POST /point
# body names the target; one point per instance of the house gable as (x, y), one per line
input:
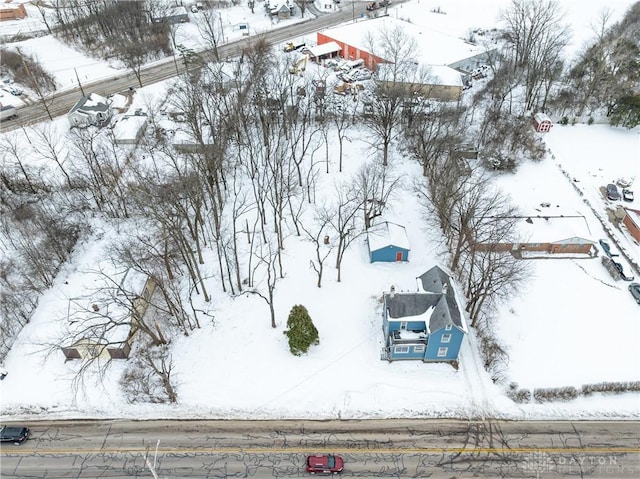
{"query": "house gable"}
(426, 325)
(388, 242)
(92, 109)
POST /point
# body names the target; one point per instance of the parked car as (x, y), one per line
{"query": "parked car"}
(14, 434)
(360, 74)
(14, 90)
(607, 249)
(620, 269)
(634, 289)
(612, 192)
(324, 464)
(627, 194)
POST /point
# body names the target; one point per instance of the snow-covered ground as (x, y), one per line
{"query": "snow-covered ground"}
(572, 325)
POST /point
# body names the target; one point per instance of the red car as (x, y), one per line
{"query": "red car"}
(325, 464)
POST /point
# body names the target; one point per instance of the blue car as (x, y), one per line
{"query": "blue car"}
(634, 289)
(612, 192)
(14, 434)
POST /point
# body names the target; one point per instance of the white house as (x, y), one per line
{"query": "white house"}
(92, 109)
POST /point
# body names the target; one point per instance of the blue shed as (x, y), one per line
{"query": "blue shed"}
(426, 325)
(388, 242)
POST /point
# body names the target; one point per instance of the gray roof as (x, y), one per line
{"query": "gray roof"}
(91, 102)
(435, 280)
(438, 292)
(401, 305)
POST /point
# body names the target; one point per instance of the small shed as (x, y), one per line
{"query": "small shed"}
(388, 242)
(542, 122)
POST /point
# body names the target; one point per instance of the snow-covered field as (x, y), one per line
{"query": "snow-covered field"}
(572, 325)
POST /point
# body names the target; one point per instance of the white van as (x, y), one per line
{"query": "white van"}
(350, 65)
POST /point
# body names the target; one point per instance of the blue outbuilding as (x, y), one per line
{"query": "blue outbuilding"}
(426, 325)
(388, 242)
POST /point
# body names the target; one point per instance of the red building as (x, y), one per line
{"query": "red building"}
(9, 11)
(632, 221)
(351, 52)
(542, 122)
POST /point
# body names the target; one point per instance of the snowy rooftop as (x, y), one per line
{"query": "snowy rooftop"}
(324, 49)
(92, 102)
(551, 227)
(387, 234)
(128, 127)
(435, 48)
(431, 74)
(105, 298)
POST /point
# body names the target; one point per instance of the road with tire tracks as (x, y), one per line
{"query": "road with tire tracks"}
(60, 102)
(416, 448)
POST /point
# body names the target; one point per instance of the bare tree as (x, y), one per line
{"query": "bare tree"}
(492, 277)
(396, 80)
(342, 215)
(46, 141)
(318, 237)
(267, 255)
(148, 376)
(373, 185)
(210, 27)
(538, 34)
(341, 110)
(608, 69)
(133, 56)
(39, 80)
(437, 131)
(43, 8)
(97, 167)
(12, 164)
(161, 260)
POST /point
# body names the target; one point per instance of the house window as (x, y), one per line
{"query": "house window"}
(442, 352)
(401, 349)
(447, 327)
(418, 349)
(403, 325)
(446, 338)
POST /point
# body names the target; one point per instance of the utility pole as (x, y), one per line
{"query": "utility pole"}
(79, 84)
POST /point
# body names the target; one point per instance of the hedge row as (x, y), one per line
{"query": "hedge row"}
(616, 388)
(569, 392)
(555, 394)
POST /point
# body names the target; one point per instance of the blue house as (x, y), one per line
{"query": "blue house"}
(388, 242)
(425, 325)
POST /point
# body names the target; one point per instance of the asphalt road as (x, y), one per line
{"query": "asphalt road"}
(371, 449)
(61, 102)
